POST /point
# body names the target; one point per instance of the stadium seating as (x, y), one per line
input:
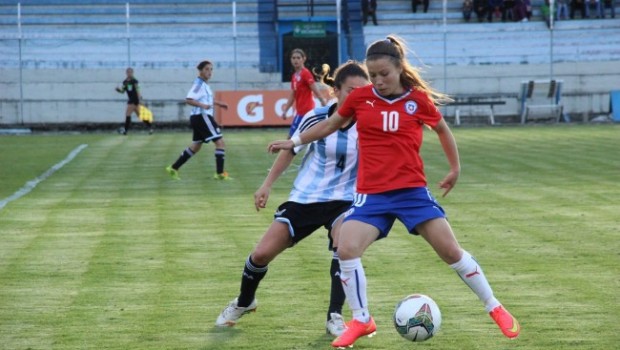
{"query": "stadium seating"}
(541, 99)
(508, 43)
(210, 26)
(167, 37)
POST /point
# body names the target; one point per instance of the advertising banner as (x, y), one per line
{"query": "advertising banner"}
(255, 108)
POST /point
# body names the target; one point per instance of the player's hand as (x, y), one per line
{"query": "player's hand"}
(283, 116)
(224, 105)
(448, 182)
(119, 90)
(278, 145)
(261, 196)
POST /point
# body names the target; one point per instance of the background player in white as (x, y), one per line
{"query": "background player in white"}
(391, 115)
(203, 124)
(322, 191)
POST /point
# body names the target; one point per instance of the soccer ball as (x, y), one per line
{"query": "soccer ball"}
(417, 318)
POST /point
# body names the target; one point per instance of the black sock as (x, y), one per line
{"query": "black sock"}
(127, 122)
(252, 275)
(184, 157)
(336, 296)
(219, 160)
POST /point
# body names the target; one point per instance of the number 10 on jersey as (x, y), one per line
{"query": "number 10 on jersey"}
(390, 121)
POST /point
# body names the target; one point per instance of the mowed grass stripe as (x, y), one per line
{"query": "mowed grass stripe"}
(135, 260)
(560, 169)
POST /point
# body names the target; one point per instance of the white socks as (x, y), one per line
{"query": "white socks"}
(353, 280)
(471, 273)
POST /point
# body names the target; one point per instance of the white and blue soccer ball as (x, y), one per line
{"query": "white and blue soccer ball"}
(417, 318)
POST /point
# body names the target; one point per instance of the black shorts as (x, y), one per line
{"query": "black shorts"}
(205, 128)
(133, 102)
(304, 219)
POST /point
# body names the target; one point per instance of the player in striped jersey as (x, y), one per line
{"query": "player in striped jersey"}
(391, 115)
(322, 191)
(205, 127)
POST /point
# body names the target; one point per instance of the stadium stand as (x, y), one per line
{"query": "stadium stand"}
(71, 49)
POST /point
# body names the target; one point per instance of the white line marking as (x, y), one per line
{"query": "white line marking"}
(30, 185)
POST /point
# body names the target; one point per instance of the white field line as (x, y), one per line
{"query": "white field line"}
(30, 185)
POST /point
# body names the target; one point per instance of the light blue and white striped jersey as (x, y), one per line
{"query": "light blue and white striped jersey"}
(329, 168)
(202, 93)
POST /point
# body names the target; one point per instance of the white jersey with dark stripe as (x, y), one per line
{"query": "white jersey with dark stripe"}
(329, 169)
(202, 93)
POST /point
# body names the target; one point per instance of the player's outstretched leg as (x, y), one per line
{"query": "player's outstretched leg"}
(471, 273)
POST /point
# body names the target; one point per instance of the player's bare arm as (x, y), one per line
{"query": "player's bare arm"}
(448, 143)
(220, 104)
(282, 162)
(317, 92)
(195, 103)
(289, 103)
(318, 131)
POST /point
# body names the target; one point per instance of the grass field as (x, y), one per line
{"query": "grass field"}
(109, 253)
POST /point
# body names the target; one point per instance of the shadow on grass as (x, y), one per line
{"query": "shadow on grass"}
(220, 337)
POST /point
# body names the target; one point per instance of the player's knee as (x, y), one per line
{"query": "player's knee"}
(451, 255)
(347, 252)
(261, 258)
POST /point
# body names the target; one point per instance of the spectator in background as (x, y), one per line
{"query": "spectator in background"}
(593, 5)
(545, 11)
(415, 3)
(562, 9)
(520, 12)
(480, 8)
(577, 5)
(369, 8)
(528, 8)
(608, 4)
(468, 7)
(494, 8)
(508, 10)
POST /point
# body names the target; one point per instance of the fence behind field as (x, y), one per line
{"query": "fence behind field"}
(57, 57)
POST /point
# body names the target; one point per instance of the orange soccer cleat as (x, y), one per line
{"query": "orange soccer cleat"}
(506, 322)
(355, 329)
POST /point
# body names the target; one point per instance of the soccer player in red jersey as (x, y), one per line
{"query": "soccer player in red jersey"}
(302, 87)
(391, 115)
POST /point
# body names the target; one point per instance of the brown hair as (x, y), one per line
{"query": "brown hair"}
(299, 51)
(394, 49)
(348, 69)
(202, 64)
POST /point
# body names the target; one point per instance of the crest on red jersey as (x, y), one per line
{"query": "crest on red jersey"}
(411, 107)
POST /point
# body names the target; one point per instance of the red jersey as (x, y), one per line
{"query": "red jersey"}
(300, 83)
(390, 137)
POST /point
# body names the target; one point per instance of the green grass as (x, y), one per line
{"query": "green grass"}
(109, 253)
